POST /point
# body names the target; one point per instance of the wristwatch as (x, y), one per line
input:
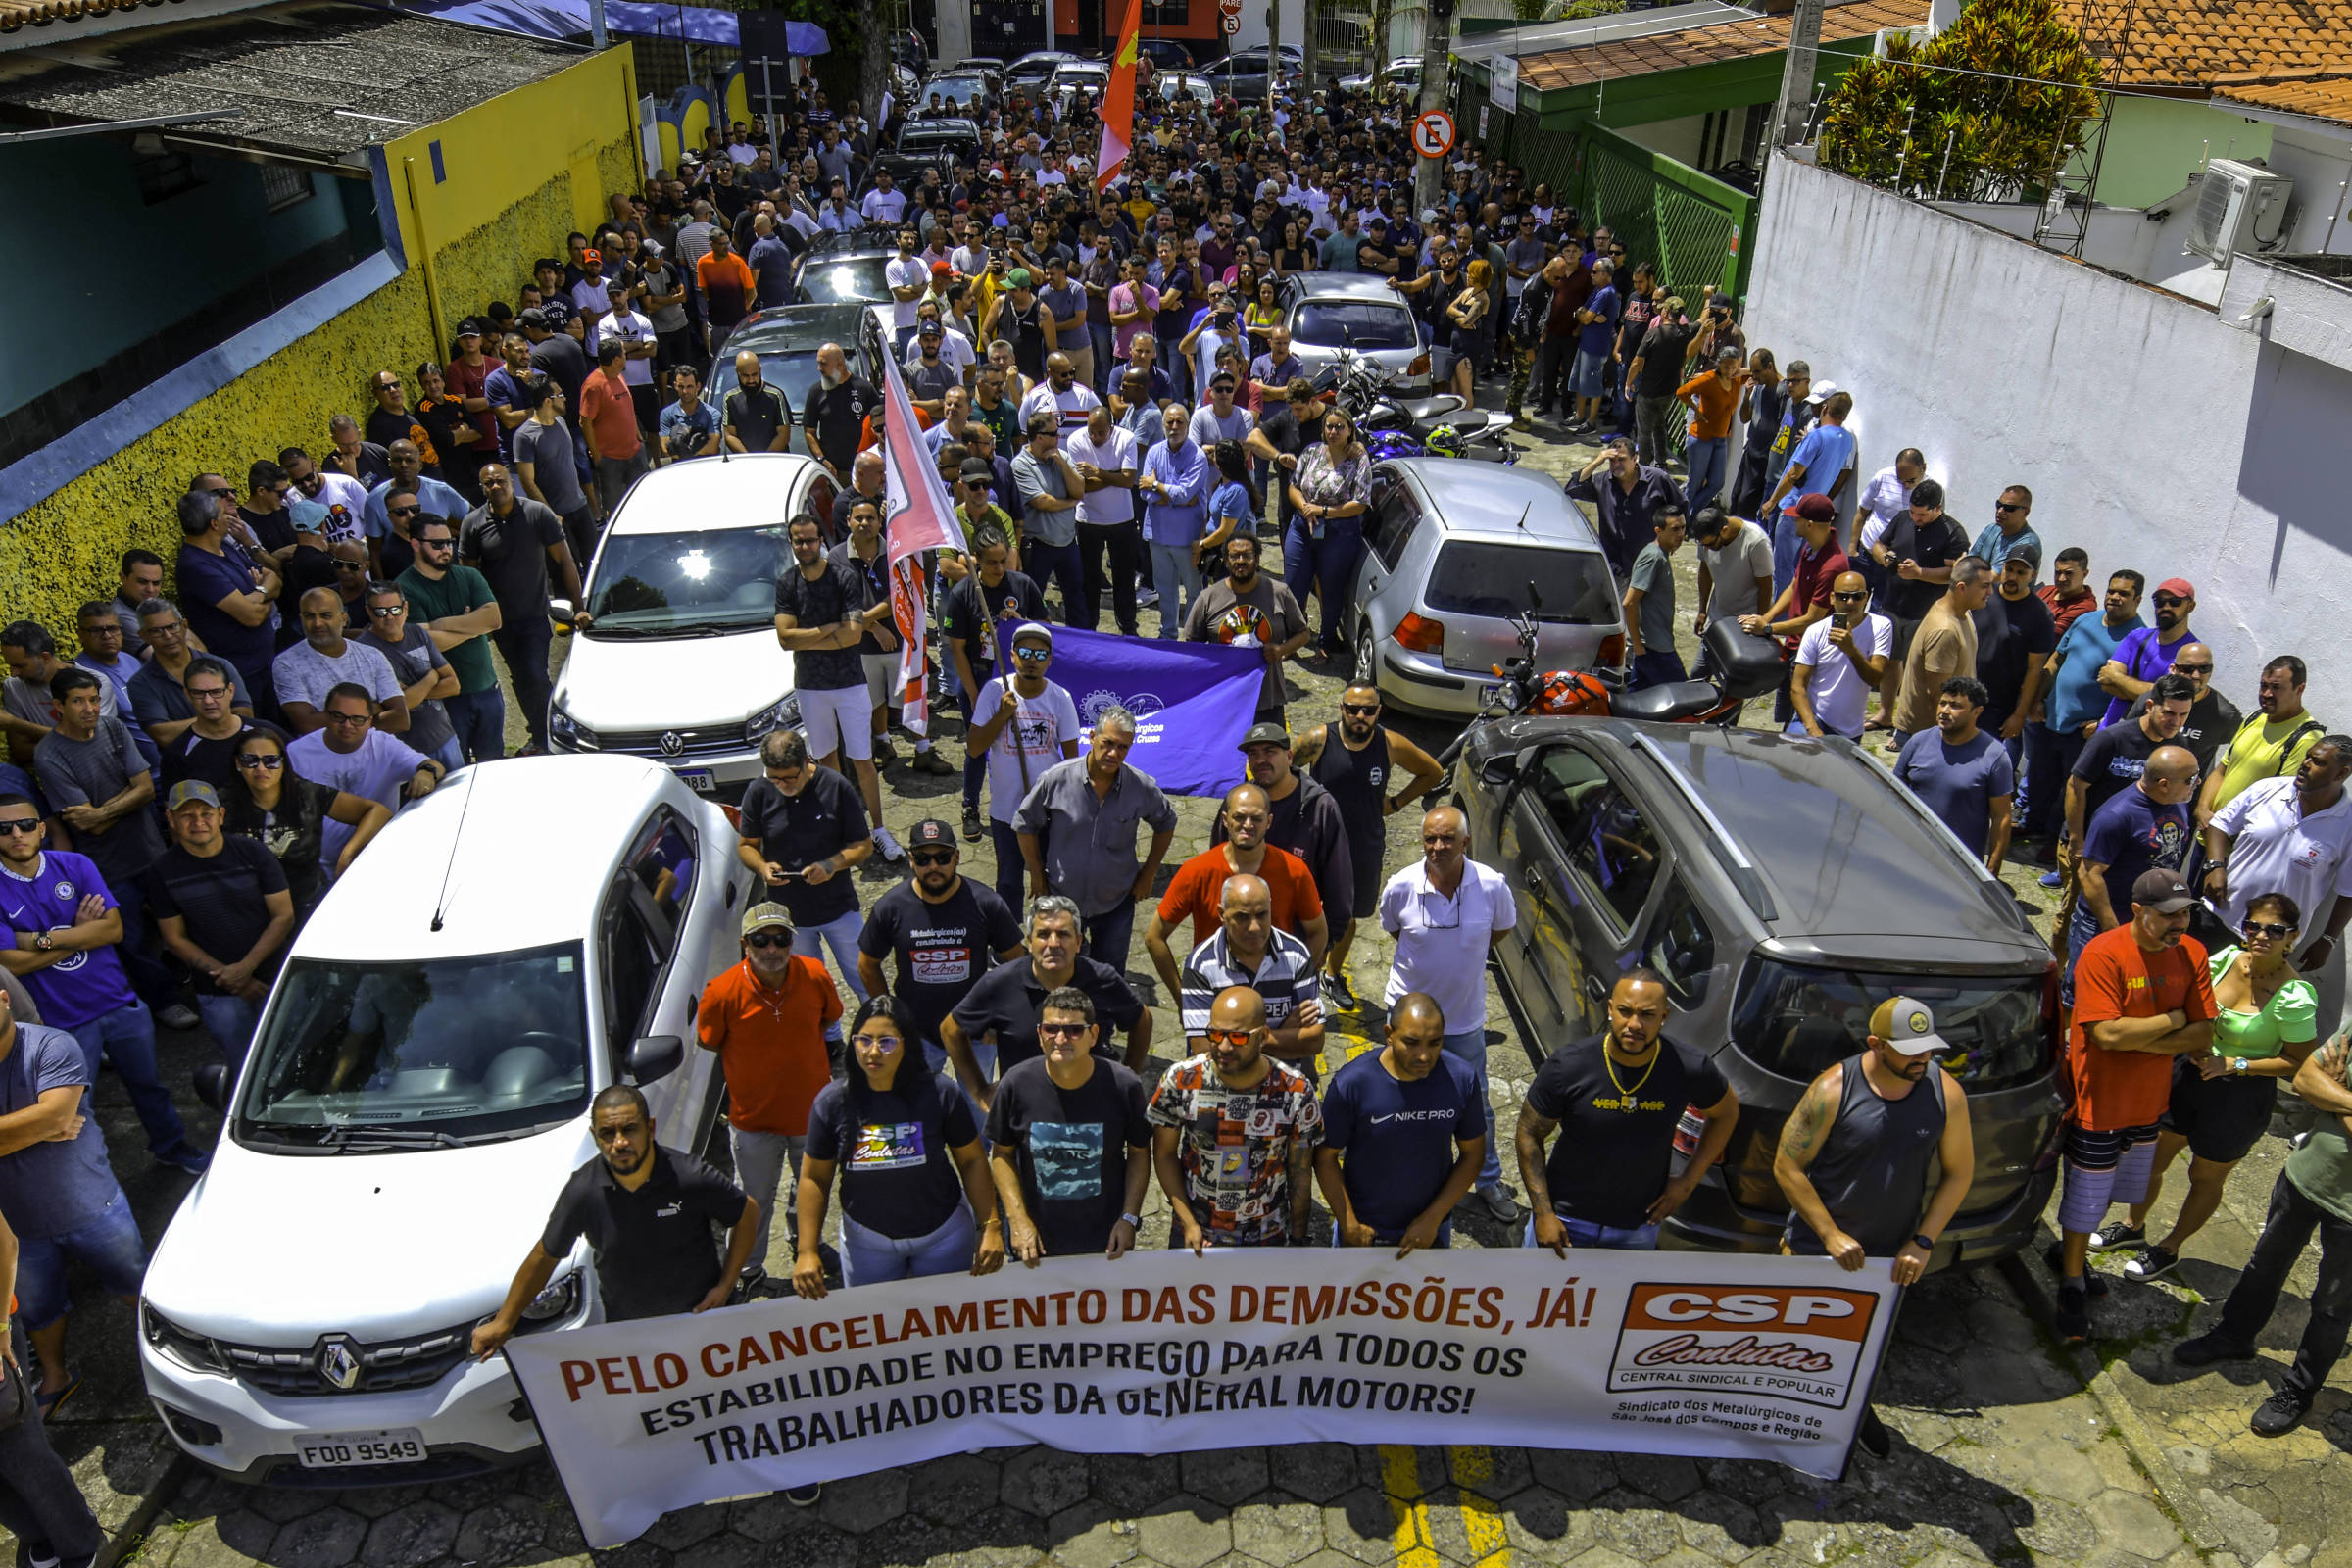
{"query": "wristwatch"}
(2237, 1064)
(1923, 1241)
(43, 942)
(1134, 1221)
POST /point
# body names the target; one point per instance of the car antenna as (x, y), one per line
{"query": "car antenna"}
(441, 900)
(1530, 506)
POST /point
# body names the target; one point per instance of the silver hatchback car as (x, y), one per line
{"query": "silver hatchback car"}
(1331, 312)
(1453, 550)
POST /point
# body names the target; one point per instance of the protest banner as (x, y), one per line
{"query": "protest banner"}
(1694, 1354)
(1191, 701)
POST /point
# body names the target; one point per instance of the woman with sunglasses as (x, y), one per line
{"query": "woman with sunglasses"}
(1328, 493)
(2266, 1022)
(288, 814)
(917, 1197)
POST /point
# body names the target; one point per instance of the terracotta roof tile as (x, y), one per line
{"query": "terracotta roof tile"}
(14, 14)
(2321, 98)
(1699, 46)
(2192, 43)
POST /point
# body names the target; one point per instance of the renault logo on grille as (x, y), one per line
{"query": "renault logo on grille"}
(672, 743)
(339, 1361)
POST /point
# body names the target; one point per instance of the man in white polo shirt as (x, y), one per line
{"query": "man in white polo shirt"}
(1108, 460)
(1446, 913)
(2290, 836)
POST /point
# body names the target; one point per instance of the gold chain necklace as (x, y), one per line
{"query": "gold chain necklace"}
(1625, 1093)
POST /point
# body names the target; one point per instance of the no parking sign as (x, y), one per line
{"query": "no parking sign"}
(1433, 134)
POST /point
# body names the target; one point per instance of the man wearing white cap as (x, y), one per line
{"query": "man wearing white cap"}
(1854, 1155)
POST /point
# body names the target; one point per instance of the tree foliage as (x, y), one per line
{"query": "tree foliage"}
(1992, 130)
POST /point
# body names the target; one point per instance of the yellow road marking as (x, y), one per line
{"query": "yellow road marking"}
(1412, 1539)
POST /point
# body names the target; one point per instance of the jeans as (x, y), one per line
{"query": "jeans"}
(761, 1159)
(1100, 336)
(230, 1021)
(1471, 1045)
(1787, 546)
(2050, 755)
(1330, 564)
(1175, 575)
(522, 642)
(1125, 542)
(479, 719)
(1661, 666)
(107, 1245)
(869, 1257)
(1704, 460)
(126, 1037)
(139, 951)
(2285, 1235)
(1059, 563)
(1548, 381)
(39, 1503)
(1012, 872)
(1106, 937)
(840, 935)
(1650, 416)
(1609, 1237)
(450, 753)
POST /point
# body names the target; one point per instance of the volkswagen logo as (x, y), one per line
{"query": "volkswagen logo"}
(672, 743)
(339, 1361)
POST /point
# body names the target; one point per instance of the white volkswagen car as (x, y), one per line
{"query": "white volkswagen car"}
(415, 1097)
(680, 661)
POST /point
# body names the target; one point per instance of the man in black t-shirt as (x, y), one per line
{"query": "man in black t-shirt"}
(2114, 759)
(1616, 1099)
(824, 611)
(2212, 719)
(2015, 637)
(647, 1212)
(222, 909)
(968, 615)
(803, 829)
(833, 417)
(514, 541)
(1072, 1142)
(754, 418)
(1286, 429)
(943, 930)
(1003, 1007)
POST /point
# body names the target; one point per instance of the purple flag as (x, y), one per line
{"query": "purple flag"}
(1191, 701)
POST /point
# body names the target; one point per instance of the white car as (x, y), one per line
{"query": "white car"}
(680, 662)
(417, 1095)
(1075, 76)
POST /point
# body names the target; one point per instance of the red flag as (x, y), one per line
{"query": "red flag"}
(919, 517)
(1118, 98)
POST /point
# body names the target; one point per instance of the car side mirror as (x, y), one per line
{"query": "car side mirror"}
(652, 1058)
(1499, 771)
(558, 611)
(210, 1082)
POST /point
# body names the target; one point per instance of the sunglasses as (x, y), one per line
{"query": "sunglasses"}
(1033, 653)
(2192, 670)
(1859, 595)
(27, 825)
(1063, 1031)
(403, 511)
(387, 386)
(351, 565)
(1359, 709)
(2008, 506)
(2252, 928)
(435, 544)
(223, 494)
(387, 611)
(768, 939)
(935, 857)
(1231, 1037)
(2170, 599)
(266, 761)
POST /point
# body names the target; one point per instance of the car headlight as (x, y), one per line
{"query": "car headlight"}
(184, 1346)
(566, 731)
(558, 1300)
(783, 715)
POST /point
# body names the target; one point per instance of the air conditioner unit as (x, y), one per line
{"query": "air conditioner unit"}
(1918, 36)
(2240, 206)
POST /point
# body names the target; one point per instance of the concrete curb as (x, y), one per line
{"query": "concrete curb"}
(2099, 1379)
(133, 1529)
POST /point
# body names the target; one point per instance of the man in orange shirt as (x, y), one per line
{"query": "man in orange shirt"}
(1712, 401)
(767, 1018)
(729, 290)
(2142, 998)
(1198, 888)
(608, 420)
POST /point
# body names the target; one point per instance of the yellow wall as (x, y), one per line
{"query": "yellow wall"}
(521, 170)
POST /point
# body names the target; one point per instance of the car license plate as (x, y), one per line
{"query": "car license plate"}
(337, 1450)
(698, 779)
(1490, 692)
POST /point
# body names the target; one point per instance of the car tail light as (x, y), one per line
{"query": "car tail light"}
(1421, 634)
(1419, 366)
(1612, 651)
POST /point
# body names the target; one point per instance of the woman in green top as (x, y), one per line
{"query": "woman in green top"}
(2265, 1024)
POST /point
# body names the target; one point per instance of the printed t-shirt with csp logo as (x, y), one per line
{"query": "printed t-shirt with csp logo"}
(897, 1177)
(1616, 1142)
(939, 949)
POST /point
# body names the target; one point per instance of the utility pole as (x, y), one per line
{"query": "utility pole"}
(1307, 62)
(1436, 39)
(1273, 55)
(1796, 74)
(596, 25)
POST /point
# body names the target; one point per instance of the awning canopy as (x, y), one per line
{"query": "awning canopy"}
(568, 18)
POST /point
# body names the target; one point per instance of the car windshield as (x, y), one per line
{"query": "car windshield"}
(1796, 1020)
(368, 1057)
(1565, 587)
(956, 89)
(791, 371)
(1353, 325)
(921, 138)
(829, 280)
(687, 584)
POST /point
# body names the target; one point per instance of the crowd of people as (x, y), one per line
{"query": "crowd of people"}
(239, 723)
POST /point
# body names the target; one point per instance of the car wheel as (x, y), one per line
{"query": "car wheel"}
(1367, 667)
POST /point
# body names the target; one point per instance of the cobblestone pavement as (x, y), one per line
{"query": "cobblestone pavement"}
(2002, 1453)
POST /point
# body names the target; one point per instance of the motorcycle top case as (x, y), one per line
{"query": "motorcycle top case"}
(1748, 666)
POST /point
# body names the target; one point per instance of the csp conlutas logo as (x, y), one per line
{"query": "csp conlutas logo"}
(1787, 1344)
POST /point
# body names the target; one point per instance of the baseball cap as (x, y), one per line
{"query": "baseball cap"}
(1821, 392)
(930, 830)
(939, 268)
(767, 917)
(191, 791)
(469, 327)
(1817, 508)
(616, 286)
(1018, 278)
(1907, 1026)
(2178, 585)
(592, 257)
(533, 317)
(977, 469)
(2162, 891)
(1265, 735)
(1032, 628)
(929, 329)
(2026, 551)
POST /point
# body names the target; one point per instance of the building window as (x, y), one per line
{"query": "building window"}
(283, 187)
(1166, 13)
(163, 176)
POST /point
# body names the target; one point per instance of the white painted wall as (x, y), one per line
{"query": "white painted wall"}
(2152, 433)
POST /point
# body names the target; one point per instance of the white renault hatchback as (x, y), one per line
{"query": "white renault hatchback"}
(680, 662)
(417, 1093)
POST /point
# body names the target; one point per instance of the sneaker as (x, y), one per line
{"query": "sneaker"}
(1342, 994)
(2054, 1259)
(2073, 1315)
(2153, 1265)
(973, 832)
(1873, 1435)
(178, 1015)
(2052, 878)
(2117, 1237)
(928, 761)
(804, 1497)
(2280, 1414)
(2209, 1348)
(884, 752)
(1500, 1203)
(193, 1161)
(1146, 598)
(887, 843)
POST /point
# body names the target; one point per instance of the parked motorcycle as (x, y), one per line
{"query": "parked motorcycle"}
(1393, 427)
